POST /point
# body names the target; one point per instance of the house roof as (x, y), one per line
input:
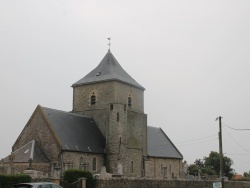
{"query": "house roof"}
(109, 69)
(31, 150)
(159, 145)
(75, 132)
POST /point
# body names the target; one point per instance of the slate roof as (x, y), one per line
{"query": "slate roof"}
(159, 145)
(29, 151)
(75, 132)
(109, 69)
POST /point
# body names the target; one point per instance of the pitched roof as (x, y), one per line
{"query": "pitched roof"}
(109, 69)
(159, 145)
(29, 151)
(75, 132)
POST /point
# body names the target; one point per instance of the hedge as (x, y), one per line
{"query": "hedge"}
(71, 176)
(6, 181)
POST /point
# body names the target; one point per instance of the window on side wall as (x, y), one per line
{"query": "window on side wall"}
(81, 163)
(129, 101)
(94, 164)
(93, 99)
(132, 167)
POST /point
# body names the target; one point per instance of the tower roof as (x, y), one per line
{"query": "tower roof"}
(109, 69)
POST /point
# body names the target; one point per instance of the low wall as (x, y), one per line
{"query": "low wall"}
(150, 183)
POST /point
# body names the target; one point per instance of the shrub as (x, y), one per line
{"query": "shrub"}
(71, 176)
(7, 181)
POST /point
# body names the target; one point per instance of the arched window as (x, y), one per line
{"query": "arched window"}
(81, 163)
(93, 99)
(132, 167)
(94, 164)
(129, 101)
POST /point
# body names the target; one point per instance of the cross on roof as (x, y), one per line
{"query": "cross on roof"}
(109, 42)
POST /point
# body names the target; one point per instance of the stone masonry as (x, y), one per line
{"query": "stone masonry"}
(124, 127)
(37, 129)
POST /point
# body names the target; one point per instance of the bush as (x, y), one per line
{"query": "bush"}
(6, 181)
(71, 176)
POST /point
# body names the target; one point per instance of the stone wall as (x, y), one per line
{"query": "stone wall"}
(74, 157)
(104, 93)
(136, 143)
(137, 131)
(161, 167)
(20, 167)
(37, 129)
(100, 117)
(116, 151)
(107, 93)
(149, 183)
(122, 92)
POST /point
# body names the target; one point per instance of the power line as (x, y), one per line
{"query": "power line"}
(236, 141)
(240, 160)
(236, 129)
(177, 143)
(236, 154)
(193, 143)
(197, 139)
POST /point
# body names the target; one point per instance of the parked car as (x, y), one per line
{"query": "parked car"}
(36, 185)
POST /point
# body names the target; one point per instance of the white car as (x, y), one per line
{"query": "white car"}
(36, 185)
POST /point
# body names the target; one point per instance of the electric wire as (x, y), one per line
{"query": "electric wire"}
(197, 139)
(236, 129)
(193, 143)
(240, 160)
(183, 142)
(236, 141)
(236, 154)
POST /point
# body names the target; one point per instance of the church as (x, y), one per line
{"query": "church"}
(106, 127)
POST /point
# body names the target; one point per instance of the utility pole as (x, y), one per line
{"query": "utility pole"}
(221, 153)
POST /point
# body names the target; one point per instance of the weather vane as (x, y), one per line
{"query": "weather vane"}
(109, 42)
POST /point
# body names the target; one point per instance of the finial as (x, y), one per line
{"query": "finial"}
(109, 43)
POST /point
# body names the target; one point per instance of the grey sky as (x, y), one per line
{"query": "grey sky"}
(191, 56)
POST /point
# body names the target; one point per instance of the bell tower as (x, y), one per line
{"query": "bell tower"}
(116, 102)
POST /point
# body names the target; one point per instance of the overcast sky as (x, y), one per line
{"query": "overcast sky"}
(192, 56)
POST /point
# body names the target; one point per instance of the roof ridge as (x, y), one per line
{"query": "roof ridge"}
(70, 112)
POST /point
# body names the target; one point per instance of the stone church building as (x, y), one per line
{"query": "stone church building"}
(106, 127)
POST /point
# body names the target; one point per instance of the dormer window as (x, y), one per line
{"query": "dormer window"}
(93, 99)
(98, 73)
(129, 101)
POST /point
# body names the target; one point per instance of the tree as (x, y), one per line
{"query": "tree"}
(213, 161)
(199, 167)
(211, 165)
(246, 175)
(199, 163)
(193, 169)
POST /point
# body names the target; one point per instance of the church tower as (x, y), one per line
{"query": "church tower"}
(116, 102)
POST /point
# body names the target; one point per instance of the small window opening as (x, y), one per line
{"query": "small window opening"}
(132, 167)
(98, 73)
(125, 107)
(111, 107)
(94, 164)
(129, 102)
(81, 165)
(93, 99)
(120, 144)
(118, 117)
